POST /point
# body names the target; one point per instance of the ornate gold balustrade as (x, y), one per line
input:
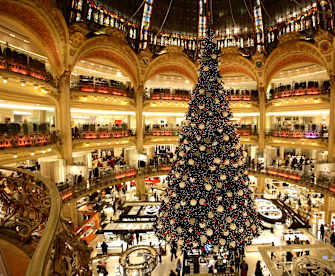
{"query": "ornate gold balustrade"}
(31, 205)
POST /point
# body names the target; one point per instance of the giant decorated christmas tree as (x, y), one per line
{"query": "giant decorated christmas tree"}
(208, 200)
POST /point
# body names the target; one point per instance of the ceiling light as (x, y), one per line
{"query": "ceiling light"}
(5, 80)
(35, 86)
(12, 35)
(23, 83)
(26, 107)
(32, 154)
(119, 74)
(299, 113)
(102, 112)
(15, 156)
(21, 113)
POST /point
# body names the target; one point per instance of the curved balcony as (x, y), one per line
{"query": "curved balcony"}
(300, 95)
(116, 177)
(13, 61)
(84, 140)
(303, 139)
(101, 86)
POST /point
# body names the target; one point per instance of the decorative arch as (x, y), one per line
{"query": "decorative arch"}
(231, 61)
(175, 62)
(292, 52)
(112, 48)
(45, 26)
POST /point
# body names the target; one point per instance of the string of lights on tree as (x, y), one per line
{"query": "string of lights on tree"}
(208, 201)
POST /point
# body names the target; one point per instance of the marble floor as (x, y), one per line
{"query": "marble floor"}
(252, 254)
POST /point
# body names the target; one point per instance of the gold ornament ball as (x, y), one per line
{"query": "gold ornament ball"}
(201, 126)
(202, 225)
(172, 221)
(229, 194)
(202, 91)
(201, 106)
(226, 162)
(241, 230)
(217, 160)
(234, 206)
(229, 219)
(223, 177)
(213, 56)
(232, 244)
(202, 148)
(203, 239)
(220, 209)
(177, 206)
(235, 178)
(222, 241)
(240, 192)
(183, 203)
(226, 138)
(191, 162)
(213, 168)
(181, 154)
(182, 185)
(193, 202)
(208, 187)
(209, 232)
(206, 68)
(210, 214)
(240, 162)
(192, 221)
(233, 226)
(219, 185)
(179, 230)
(226, 233)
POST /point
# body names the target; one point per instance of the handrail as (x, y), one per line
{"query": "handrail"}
(99, 183)
(41, 256)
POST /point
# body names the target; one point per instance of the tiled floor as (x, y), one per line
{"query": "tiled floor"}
(252, 254)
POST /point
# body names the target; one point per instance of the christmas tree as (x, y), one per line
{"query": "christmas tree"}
(208, 200)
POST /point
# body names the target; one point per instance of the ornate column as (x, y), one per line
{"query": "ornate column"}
(64, 116)
(139, 118)
(262, 118)
(260, 184)
(331, 127)
(140, 187)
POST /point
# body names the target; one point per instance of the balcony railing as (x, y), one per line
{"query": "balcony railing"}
(298, 134)
(31, 213)
(29, 140)
(247, 132)
(285, 92)
(102, 86)
(103, 134)
(162, 132)
(13, 61)
(166, 95)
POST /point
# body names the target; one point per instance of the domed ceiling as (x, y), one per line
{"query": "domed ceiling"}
(184, 14)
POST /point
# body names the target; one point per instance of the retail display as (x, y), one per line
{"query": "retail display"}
(208, 200)
(267, 209)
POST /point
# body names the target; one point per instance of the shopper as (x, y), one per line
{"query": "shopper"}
(258, 271)
(322, 232)
(178, 268)
(172, 273)
(104, 248)
(160, 253)
(332, 239)
(244, 268)
(173, 251)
